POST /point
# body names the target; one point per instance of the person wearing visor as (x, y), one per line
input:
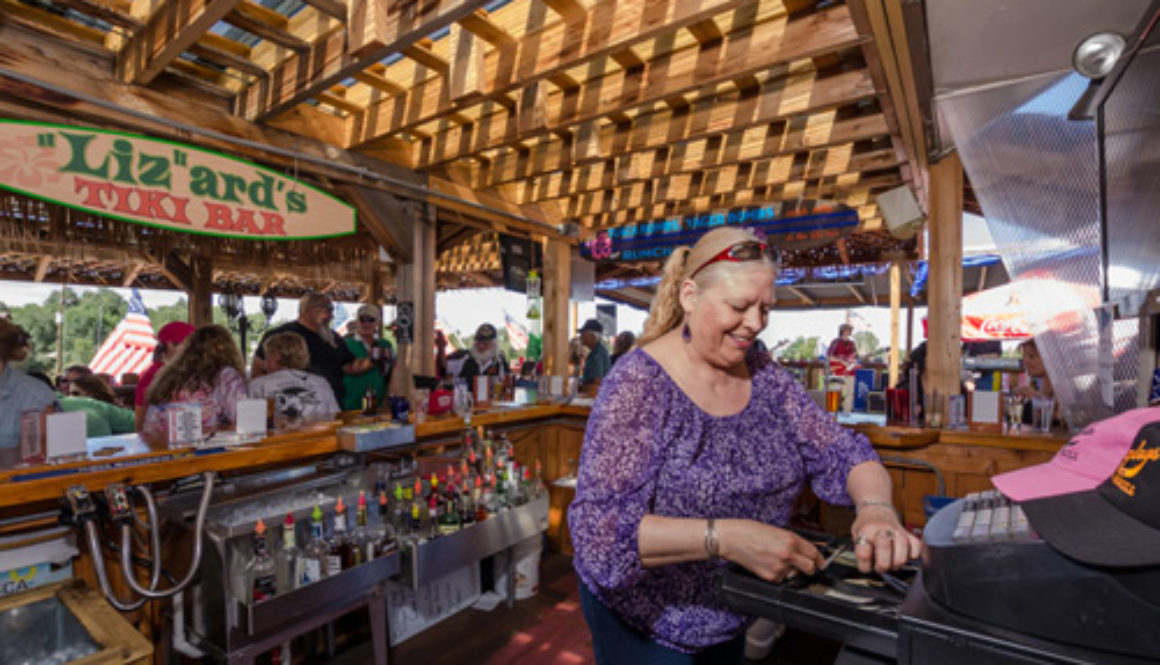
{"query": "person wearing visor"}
(18, 391)
(483, 358)
(597, 362)
(329, 355)
(696, 449)
(368, 343)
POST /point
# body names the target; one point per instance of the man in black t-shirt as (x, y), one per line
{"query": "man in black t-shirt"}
(329, 356)
(484, 357)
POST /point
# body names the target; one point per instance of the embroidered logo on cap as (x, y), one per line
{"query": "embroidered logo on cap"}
(1134, 462)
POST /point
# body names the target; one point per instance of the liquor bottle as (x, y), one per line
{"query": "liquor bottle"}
(334, 560)
(466, 505)
(287, 557)
(399, 516)
(478, 499)
(448, 518)
(415, 524)
(433, 511)
(314, 554)
(368, 402)
(356, 545)
(261, 575)
(384, 533)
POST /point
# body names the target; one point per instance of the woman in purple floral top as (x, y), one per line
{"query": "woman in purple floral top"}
(696, 450)
(206, 370)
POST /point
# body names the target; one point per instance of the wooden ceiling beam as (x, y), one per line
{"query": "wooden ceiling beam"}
(765, 47)
(44, 21)
(113, 13)
(265, 23)
(615, 207)
(376, 29)
(332, 8)
(479, 24)
(778, 168)
(228, 60)
(742, 117)
(42, 266)
(422, 53)
(608, 27)
(170, 30)
(800, 295)
(132, 274)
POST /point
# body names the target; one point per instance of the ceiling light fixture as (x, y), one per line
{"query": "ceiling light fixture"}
(1097, 54)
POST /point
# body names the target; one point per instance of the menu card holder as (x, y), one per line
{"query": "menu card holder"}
(32, 445)
(184, 424)
(986, 411)
(65, 434)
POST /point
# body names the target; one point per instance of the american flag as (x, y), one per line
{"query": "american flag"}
(516, 333)
(129, 348)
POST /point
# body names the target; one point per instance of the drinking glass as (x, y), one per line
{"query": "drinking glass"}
(421, 401)
(1042, 410)
(462, 399)
(1014, 413)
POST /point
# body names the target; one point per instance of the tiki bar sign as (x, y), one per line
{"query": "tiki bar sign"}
(164, 184)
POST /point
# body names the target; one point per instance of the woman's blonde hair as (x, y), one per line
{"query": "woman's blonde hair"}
(199, 361)
(289, 348)
(666, 312)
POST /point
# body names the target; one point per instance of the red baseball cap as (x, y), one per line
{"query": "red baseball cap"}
(175, 332)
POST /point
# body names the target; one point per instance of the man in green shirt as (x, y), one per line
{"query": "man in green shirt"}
(367, 342)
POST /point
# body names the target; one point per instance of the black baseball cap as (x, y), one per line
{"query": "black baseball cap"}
(1116, 524)
(485, 333)
(591, 325)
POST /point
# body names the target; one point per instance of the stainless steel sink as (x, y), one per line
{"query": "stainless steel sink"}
(43, 633)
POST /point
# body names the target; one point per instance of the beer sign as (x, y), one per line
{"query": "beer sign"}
(164, 184)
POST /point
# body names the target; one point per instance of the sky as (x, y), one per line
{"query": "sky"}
(463, 310)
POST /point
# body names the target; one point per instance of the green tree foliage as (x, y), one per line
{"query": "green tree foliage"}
(867, 342)
(90, 318)
(802, 348)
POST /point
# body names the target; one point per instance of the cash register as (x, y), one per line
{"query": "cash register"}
(983, 561)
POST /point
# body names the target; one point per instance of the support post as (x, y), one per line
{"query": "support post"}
(944, 347)
(895, 315)
(416, 284)
(201, 291)
(557, 292)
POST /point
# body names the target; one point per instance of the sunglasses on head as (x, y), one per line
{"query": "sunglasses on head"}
(748, 250)
(367, 319)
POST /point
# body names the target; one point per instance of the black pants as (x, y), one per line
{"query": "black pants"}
(617, 643)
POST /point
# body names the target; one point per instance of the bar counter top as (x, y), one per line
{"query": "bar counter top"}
(136, 462)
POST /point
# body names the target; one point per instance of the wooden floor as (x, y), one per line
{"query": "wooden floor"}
(547, 629)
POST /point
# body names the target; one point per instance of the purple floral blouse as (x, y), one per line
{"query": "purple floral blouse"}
(650, 450)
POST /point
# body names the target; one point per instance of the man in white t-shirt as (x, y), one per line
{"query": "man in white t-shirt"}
(299, 395)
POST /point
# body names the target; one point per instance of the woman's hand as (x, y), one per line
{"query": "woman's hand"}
(771, 553)
(880, 541)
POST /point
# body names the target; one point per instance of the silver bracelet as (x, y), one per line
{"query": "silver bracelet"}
(876, 502)
(712, 546)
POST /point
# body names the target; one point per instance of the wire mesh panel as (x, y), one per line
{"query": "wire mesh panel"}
(1037, 178)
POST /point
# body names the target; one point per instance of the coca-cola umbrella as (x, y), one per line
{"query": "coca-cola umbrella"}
(994, 314)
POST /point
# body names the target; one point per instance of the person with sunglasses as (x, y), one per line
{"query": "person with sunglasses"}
(368, 343)
(696, 449)
(18, 391)
(329, 355)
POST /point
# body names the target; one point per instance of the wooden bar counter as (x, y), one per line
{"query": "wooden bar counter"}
(550, 433)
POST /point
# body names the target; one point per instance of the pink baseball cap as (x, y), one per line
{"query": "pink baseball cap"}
(1087, 460)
